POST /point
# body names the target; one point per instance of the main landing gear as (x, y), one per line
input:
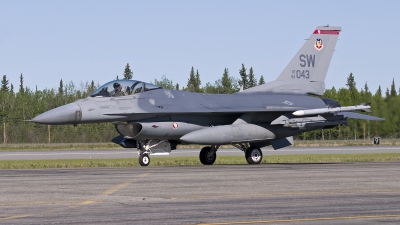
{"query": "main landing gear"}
(208, 154)
(253, 154)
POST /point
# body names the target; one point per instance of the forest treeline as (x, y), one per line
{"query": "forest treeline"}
(22, 103)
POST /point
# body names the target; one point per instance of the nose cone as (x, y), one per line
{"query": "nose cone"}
(66, 114)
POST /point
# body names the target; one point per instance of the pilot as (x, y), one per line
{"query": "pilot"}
(117, 90)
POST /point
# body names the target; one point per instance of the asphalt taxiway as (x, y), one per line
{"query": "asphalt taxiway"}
(337, 193)
(132, 153)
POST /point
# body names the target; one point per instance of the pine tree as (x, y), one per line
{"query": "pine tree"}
(226, 83)
(243, 75)
(367, 95)
(393, 92)
(351, 84)
(252, 79)
(61, 88)
(4, 83)
(261, 81)
(191, 85)
(197, 82)
(91, 87)
(128, 74)
(366, 87)
(379, 91)
(21, 84)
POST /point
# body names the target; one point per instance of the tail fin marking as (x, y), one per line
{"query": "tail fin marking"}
(306, 72)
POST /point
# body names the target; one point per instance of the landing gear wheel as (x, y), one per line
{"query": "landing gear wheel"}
(207, 156)
(144, 160)
(254, 155)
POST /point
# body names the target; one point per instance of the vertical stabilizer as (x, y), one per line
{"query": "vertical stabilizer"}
(306, 72)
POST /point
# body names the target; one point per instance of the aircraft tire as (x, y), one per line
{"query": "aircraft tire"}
(254, 155)
(207, 157)
(144, 159)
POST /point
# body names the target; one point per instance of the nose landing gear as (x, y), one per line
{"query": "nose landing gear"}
(144, 159)
(153, 147)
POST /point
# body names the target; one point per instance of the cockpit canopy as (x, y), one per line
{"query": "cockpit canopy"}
(118, 88)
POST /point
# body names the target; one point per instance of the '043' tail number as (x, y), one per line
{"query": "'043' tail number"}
(298, 74)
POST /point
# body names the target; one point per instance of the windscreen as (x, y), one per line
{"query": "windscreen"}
(118, 88)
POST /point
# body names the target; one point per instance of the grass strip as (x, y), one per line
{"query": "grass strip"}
(192, 161)
(58, 146)
(98, 146)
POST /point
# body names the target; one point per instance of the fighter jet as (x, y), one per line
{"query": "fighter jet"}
(155, 120)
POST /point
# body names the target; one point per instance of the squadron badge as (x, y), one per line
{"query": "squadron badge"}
(318, 44)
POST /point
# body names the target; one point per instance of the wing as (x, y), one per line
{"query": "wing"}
(359, 116)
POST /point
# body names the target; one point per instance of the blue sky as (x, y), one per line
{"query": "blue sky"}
(81, 41)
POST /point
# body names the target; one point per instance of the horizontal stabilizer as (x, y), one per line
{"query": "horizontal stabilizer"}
(281, 142)
(359, 116)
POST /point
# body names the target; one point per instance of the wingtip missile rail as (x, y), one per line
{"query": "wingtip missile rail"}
(362, 107)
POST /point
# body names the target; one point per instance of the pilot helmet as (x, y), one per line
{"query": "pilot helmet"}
(116, 85)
